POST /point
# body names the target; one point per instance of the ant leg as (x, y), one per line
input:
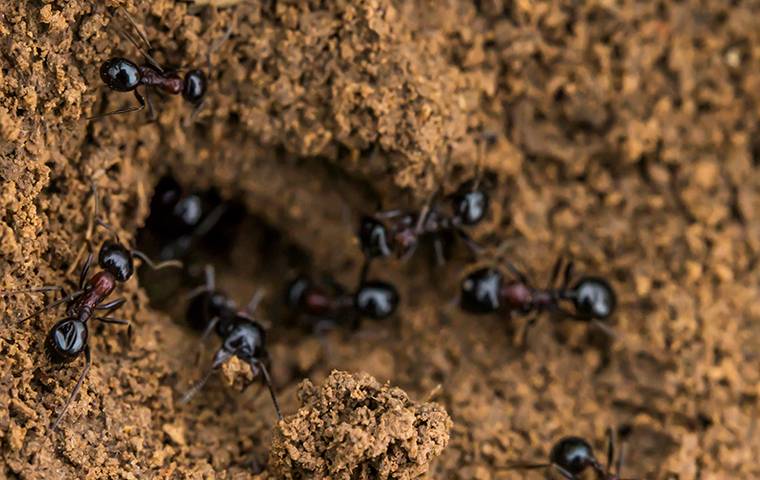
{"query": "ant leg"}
(87, 363)
(85, 269)
(564, 473)
(133, 108)
(46, 288)
(258, 296)
(65, 299)
(517, 273)
(438, 246)
(619, 463)
(568, 275)
(206, 333)
(220, 357)
(119, 321)
(474, 247)
(258, 365)
(156, 266)
(152, 116)
(111, 306)
(389, 214)
(210, 285)
(527, 326)
(555, 272)
(610, 448)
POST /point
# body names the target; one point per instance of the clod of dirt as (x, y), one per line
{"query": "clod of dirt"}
(355, 428)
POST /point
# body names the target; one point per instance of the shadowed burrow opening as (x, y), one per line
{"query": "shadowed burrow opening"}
(201, 228)
(249, 255)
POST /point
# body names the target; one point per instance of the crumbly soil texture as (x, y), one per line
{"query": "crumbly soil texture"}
(622, 134)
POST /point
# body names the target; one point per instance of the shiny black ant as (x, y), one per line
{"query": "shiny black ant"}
(68, 338)
(372, 299)
(571, 456)
(178, 218)
(123, 75)
(485, 291)
(398, 231)
(210, 310)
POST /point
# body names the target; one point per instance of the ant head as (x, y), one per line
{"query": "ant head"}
(481, 291)
(470, 205)
(376, 299)
(120, 74)
(244, 337)
(116, 260)
(207, 305)
(594, 298)
(294, 293)
(373, 237)
(573, 454)
(66, 340)
(195, 86)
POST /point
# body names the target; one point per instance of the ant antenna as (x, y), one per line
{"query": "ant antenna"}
(253, 304)
(209, 286)
(156, 266)
(134, 41)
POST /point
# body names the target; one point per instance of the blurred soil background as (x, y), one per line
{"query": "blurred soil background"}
(622, 134)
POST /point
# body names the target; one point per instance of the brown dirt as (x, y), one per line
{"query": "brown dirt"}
(626, 136)
(353, 427)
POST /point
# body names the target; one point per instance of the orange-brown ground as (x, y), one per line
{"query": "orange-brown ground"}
(626, 137)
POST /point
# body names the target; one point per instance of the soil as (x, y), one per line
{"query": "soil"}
(621, 134)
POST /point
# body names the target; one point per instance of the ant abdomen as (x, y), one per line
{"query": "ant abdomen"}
(66, 340)
(194, 86)
(594, 298)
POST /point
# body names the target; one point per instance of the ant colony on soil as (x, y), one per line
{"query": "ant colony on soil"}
(220, 272)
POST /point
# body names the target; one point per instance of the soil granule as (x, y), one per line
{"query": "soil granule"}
(621, 134)
(352, 427)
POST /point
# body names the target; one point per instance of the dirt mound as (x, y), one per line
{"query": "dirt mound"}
(352, 427)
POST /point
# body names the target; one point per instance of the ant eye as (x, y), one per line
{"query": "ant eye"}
(573, 454)
(116, 260)
(480, 291)
(594, 298)
(295, 291)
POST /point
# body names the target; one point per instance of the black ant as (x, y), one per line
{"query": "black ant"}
(485, 291)
(68, 338)
(123, 75)
(178, 218)
(398, 231)
(211, 310)
(372, 299)
(571, 456)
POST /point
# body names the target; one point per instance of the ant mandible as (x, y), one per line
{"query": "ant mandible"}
(123, 75)
(485, 291)
(398, 231)
(571, 456)
(68, 338)
(372, 299)
(242, 336)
